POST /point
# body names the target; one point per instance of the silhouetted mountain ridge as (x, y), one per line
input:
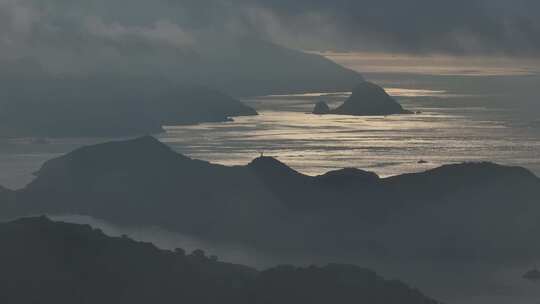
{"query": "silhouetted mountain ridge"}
(144, 151)
(268, 205)
(271, 167)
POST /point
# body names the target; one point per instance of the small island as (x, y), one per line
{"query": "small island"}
(321, 108)
(367, 99)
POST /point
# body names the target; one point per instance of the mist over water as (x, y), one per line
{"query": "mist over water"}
(164, 239)
(473, 282)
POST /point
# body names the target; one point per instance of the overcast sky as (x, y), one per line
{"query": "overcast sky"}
(424, 26)
(57, 30)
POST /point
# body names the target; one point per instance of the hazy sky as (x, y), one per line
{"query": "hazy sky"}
(58, 28)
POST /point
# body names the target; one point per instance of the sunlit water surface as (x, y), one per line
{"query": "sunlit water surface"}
(388, 145)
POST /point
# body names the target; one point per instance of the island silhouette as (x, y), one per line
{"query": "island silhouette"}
(143, 182)
(94, 108)
(367, 99)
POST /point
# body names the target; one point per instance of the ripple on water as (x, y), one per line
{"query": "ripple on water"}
(387, 145)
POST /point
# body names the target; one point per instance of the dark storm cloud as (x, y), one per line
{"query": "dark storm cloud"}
(86, 32)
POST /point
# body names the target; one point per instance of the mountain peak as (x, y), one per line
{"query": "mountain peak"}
(141, 154)
(145, 139)
(266, 160)
(267, 164)
(348, 175)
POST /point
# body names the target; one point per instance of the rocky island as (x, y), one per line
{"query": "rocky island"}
(321, 108)
(367, 99)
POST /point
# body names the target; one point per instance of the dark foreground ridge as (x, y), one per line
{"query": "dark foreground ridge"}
(42, 260)
(267, 205)
(367, 99)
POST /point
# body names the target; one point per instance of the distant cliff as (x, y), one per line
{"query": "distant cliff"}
(69, 263)
(367, 99)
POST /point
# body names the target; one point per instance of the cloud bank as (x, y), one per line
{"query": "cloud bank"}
(414, 26)
(84, 30)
